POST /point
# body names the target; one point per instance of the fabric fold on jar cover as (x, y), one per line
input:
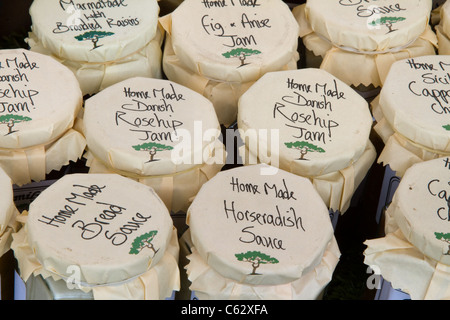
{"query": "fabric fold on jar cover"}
(359, 57)
(414, 253)
(135, 275)
(101, 47)
(336, 188)
(410, 113)
(198, 56)
(40, 125)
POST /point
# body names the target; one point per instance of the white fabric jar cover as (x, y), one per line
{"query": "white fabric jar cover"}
(43, 99)
(102, 43)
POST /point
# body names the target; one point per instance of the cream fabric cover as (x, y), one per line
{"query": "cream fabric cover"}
(410, 112)
(43, 99)
(219, 51)
(116, 232)
(414, 255)
(356, 67)
(311, 124)
(8, 213)
(262, 236)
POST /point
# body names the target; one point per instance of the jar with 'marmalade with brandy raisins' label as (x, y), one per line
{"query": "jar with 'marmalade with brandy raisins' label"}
(357, 41)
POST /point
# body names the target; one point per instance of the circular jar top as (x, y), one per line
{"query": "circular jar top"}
(150, 126)
(109, 227)
(39, 99)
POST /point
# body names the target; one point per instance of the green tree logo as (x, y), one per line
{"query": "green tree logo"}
(304, 147)
(241, 53)
(152, 148)
(446, 127)
(94, 36)
(256, 258)
(387, 21)
(144, 241)
(444, 237)
(11, 119)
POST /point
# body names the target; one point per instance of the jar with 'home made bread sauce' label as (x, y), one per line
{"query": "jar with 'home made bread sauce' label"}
(102, 42)
(8, 225)
(357, 41)
(98, 236)
(219, 48)
(258, 232)
(311, 124)
(40, 101)
(157, 132)
(414, 254)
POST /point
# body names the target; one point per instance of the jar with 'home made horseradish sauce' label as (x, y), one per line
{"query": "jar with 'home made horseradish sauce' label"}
(40, 101)
(414, 254)
(219, 48)
(258, 232)
(102, 42)
(157, 132)
(98, 236)
(357, 41)
(311, 124)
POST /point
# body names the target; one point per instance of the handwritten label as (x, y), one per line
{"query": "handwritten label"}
(16, 92)
(101, 222)
(308, 111)
(150, 115)
(213, 26)
(281, 215)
